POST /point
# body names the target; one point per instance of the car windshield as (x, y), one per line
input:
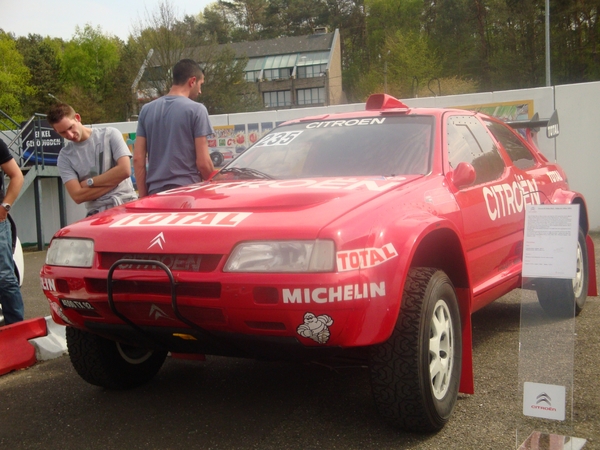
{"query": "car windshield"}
(367, 146)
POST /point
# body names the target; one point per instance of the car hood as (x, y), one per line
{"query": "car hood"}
(211, 217)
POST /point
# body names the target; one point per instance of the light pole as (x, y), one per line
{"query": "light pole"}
(548, 43)
(385, 66)
(55, 98)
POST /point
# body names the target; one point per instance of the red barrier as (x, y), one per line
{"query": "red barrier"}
(15, 350)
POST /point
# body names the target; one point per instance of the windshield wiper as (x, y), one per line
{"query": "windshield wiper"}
(246, 172)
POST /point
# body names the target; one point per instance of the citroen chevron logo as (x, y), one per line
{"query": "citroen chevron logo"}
(157, 313)
(543, 398)
(158, 240)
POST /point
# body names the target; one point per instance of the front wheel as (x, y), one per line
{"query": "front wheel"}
(415, 374)
(564, 298)
(110, 364)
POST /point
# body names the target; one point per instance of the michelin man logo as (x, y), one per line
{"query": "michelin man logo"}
(315, 327)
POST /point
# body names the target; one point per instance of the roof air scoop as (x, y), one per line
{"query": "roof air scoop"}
(377, 102)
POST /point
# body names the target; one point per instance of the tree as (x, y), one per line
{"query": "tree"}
(162, 33)
(225, 90)
(450, 28)
(14, 79)
(350, 18)
(409, 57)
(574, 36)
(120, 104)
(406, 62)
(214, 24)
(248, 18)
(385, 17)
(41, 56)
(292, 18)
(89, 62)
(517, 56)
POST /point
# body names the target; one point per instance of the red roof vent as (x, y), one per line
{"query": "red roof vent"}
(378, 102)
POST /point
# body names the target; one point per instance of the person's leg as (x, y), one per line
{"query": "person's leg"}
(10, 292)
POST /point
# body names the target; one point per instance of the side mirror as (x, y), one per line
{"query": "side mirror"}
(464, 175)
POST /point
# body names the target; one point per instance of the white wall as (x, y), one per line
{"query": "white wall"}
(576, 149)
(542, 98)
(578, 145)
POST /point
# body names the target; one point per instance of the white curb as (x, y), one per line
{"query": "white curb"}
(53, 345)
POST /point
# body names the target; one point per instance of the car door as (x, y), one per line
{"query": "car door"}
(491, 207)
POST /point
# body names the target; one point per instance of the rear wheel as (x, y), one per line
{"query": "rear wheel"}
(110, 364)
(415, 374)
(564, 298)
(217, 158)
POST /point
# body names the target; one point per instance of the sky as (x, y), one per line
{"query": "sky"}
(59, 18)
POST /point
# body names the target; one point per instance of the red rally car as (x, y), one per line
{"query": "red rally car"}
(374, 234)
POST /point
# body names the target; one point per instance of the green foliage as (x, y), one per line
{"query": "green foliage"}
(408, 58)
(447, 86)
(225, 89)
(385, 17)
(451, 29)
(41, 56)
(293, 18)
(119, 104)
(248, 17)
(348, 16)
(405, 47)
(213, 25)
(161, 33)
(368, 83)
(14, 78)
(89, 62)
(88, 57)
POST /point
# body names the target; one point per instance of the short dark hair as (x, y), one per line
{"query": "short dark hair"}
(184, 70)
(58, 112)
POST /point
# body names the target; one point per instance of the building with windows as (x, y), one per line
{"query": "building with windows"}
(290, 72)
(294, 72)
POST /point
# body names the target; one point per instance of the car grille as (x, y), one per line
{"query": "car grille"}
(146, 288)
(175, 262)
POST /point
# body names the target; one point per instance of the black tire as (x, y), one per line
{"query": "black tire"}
(109, 364)
(217, 158)
(564, 298)
(409, 391)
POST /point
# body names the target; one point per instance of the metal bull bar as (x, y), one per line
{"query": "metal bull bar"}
(205, 335)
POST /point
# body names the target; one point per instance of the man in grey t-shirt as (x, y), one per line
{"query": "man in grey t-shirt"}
(172, 133)
(95, 165)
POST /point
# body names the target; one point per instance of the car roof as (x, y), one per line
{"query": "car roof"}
(382, 105)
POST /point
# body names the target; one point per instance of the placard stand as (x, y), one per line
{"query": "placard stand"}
(547, 333)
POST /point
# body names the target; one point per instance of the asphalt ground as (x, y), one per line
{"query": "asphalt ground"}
(227, 403)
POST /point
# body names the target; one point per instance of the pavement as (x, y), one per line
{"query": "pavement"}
(271, 405)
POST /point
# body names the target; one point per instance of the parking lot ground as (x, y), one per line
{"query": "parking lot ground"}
(227, 403)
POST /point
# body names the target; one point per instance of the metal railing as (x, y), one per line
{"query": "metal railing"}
(25, 142)
(17, 134)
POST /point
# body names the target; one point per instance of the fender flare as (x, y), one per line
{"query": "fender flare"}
(417, 229)
(567, 197)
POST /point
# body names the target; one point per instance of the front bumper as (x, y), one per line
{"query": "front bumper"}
(258, 315)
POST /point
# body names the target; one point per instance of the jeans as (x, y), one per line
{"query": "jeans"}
(10, 292)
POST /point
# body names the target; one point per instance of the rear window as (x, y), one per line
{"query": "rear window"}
(371, 146)
(516, 150)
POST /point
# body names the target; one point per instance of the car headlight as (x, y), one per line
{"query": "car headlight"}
(282, 256)
(70, 252)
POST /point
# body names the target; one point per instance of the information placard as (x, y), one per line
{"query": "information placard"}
(550, 242)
